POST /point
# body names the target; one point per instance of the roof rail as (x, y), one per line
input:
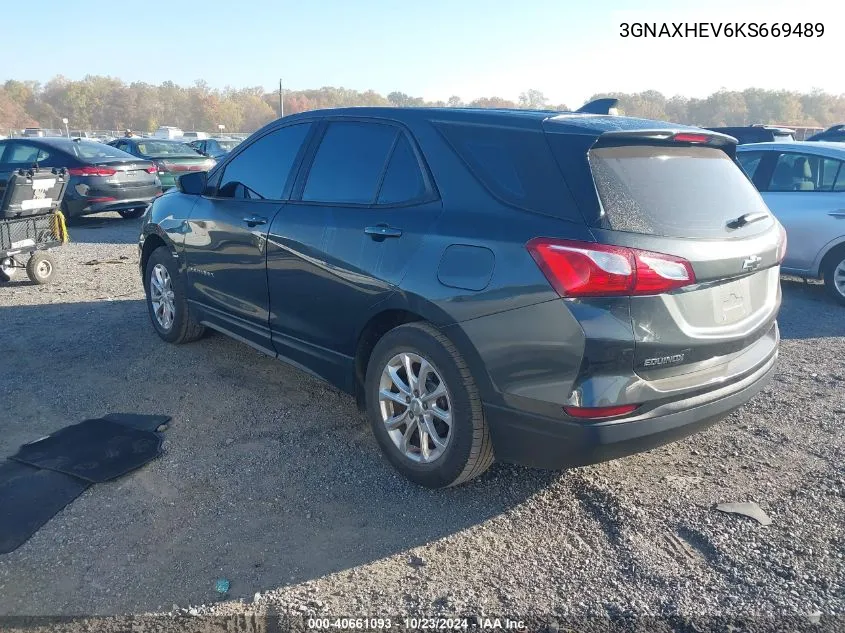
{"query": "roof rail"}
(599, 106)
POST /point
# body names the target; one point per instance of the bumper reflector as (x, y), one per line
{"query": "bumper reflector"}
(594, 413)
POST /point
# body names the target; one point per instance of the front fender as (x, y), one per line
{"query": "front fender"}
(166, 223)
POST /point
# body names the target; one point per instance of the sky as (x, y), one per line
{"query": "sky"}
(429, 48)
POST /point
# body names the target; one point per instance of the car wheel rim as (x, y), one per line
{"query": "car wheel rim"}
(162, 298)
(839, 278)
(416, 407)
(44, 268)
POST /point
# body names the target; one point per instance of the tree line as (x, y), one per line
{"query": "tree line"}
(107, 103)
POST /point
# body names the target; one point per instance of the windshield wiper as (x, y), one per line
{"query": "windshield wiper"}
(747, 218)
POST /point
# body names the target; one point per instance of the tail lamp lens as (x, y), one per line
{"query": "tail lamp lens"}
(586, 269)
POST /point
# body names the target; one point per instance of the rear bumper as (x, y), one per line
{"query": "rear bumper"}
(542, 442)
(81, 206)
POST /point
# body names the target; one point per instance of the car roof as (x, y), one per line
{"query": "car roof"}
(822, 148)
(59, 142)
(557, 121)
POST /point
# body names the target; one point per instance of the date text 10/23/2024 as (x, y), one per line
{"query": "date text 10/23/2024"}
(415, 624)
(720, 29)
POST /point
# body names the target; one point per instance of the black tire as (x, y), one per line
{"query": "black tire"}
(132, 214)
(183, 328)
(831, 262)
(69, 219)
(7, 272)
(469, 451)
(41, 268)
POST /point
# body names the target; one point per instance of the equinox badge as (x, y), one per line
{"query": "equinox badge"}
(752, 262)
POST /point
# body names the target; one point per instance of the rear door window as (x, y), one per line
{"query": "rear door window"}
(674, 191)
(23, 154)
(349, 163)
(515, 165)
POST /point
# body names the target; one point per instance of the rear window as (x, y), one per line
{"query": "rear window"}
(515, 165)
(92, 150)
(163, 148)
(674, 191)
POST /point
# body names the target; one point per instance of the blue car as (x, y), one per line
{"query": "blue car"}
(803, 183)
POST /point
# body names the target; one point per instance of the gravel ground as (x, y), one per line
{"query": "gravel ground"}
(271, 480)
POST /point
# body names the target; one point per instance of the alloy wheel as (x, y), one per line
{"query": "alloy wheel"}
(416, 407)
(839, 278)
(162, 298)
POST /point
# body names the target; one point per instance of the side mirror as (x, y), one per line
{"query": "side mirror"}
(192, 183)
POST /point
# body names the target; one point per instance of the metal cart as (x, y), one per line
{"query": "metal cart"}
(31, 223)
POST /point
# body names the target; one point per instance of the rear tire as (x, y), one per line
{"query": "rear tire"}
(834, 274)
(41, 268)
(131, 214)
(463, 449)
(167, 301)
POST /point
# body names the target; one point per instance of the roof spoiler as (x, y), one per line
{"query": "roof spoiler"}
(684, 136)
(600, 106)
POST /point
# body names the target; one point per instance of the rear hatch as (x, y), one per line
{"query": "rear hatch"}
(692, 223)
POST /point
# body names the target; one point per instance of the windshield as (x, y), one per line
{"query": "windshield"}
(674, 191)
(164, 148)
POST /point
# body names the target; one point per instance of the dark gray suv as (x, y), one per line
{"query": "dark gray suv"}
(543, 288)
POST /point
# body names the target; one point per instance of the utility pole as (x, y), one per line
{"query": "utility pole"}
(281, 103)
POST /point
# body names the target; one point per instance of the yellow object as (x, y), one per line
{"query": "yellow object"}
(60, 228)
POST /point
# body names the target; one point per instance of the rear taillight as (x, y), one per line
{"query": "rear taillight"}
(151, 170)
(90, 170)
(595, 413)
(586, 269)
(781, 244)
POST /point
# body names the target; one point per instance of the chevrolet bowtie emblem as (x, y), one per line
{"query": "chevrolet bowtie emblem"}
(751, 263)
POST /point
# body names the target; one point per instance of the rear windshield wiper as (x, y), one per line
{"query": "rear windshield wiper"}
(747, 218)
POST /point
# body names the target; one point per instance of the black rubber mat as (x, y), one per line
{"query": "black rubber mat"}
(138, 421)
(29, 497)
(94, 450)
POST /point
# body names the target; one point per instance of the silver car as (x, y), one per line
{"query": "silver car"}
(803, 183)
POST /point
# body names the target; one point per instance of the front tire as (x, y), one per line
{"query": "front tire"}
(424, 408)
(41, 268)
(167, 301)
(834, 275)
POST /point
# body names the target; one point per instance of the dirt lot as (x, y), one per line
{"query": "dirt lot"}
(271, 479)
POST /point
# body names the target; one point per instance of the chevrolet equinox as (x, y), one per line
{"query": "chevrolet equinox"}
(549, 289)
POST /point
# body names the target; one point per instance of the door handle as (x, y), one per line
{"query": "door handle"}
(382, 231)
(255, 220)
(839, 213)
